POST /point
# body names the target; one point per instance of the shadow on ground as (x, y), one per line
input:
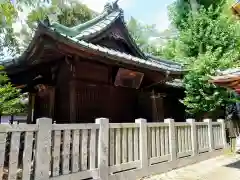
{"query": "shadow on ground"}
(234, 165)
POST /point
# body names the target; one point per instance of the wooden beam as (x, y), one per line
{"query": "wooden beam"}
(21, 86)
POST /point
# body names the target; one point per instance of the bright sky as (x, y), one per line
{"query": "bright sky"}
(146, 11)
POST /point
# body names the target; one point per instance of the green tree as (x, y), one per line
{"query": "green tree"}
(141, 34)
(204, 31)
(10, 14)
(207, 41)
(12, 43)
(201, 96)
(8, 42)
(181, 10)
(10, 102)
(70, 14)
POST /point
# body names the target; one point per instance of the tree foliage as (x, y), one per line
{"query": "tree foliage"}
(14, 42)
(141, 34)
(10, 101)
(201, 96)
(181, 10)
(11, 14)
(8, 42)
(207, 41)
(70, 14)
(204, 31)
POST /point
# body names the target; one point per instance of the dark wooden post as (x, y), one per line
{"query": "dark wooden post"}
(73, 97)
(72, 88)
(52, 102)
(157, 107)
(31, 104)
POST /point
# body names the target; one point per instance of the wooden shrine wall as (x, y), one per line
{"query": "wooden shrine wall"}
(95, 96)
(94, 101)
(62, 92)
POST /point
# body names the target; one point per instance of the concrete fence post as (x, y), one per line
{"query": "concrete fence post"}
(143, 143)
(193, 136)
(43, 144)
(172, 139)
(103, 148)
(210, 134)
(223, 132)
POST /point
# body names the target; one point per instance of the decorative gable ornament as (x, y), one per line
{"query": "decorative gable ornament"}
(116, 35)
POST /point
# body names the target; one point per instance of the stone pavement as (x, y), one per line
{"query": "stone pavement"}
(220, 168)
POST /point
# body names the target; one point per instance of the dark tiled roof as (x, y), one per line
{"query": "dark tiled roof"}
(126, 57)
(81, 33)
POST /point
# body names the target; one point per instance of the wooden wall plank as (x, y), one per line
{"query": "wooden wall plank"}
(166, 140)
(136, 143)
(124, 145)
(93, 148)
(111, 146)
(27, 155)
(185, 139)
(153, 133)
(158, 151)
(56, 153)
(162, 140)
(75, 151)
(3, 137)
(13, 156)
(84, 147)
(118, 146)
(182, 138)
(130, 144)
(66, 151)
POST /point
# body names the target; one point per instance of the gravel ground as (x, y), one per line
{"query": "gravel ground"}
(220, 168)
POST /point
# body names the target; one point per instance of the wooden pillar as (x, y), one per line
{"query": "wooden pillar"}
(29, 111)
(143, 143)
(160, 107)
(154, 107)
(172, 139)
(31, 108)
(157, 107)
(51, 102)
(72, 90)
(103, 146)
(193, 136)
(73, 96)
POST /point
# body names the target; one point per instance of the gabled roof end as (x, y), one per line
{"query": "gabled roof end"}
(113, 7)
